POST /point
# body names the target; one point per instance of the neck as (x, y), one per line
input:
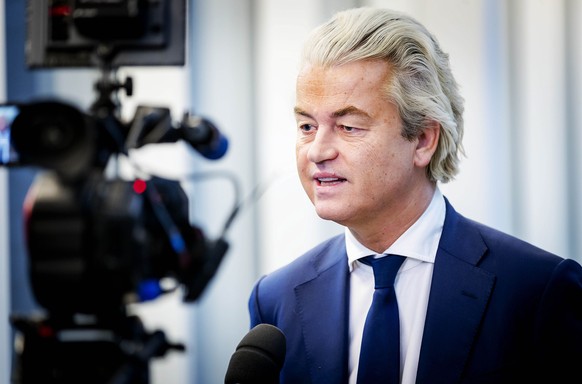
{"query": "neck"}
(380, 236)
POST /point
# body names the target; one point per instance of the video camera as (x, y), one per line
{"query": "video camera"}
(97, 243)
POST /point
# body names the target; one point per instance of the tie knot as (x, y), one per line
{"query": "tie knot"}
(385, 269)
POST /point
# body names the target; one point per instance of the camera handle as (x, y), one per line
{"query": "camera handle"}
(107, 103)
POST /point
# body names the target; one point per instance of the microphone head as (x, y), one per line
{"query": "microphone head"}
(215, 151)
(258, 358)
(204, 137)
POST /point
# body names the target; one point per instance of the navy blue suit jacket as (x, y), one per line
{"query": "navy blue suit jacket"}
(500, 311)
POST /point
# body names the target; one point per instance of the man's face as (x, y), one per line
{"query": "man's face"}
(356, 167)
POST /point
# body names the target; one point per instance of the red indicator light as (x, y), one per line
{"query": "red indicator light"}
(60, 11)
(45, 331)
(139, 186)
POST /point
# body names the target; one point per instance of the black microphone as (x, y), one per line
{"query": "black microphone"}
(258, 358)
(203, 136)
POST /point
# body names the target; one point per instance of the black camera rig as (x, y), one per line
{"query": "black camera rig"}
(98, 243)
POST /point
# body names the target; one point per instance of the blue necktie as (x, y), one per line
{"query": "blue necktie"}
(380, 352)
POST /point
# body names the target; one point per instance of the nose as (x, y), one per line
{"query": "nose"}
(323, 147)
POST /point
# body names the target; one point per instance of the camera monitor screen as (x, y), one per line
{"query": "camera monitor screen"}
(72, 33)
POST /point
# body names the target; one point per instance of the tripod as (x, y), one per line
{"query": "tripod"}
(83, 350)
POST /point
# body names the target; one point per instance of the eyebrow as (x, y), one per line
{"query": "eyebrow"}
(349, 110)
(299, 111)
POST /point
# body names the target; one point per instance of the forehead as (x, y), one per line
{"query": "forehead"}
(362, 84)
(359, 75)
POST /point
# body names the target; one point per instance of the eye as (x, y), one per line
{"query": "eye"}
(346, 128)
(306, 127)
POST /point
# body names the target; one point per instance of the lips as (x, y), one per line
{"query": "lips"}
(324, 180)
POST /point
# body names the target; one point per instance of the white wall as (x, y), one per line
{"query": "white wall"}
(540, 126)
(221, 87)
(574, 86)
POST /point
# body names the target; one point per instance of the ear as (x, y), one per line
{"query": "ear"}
(427, 143)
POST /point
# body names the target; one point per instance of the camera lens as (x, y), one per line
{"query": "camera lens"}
(54, 135)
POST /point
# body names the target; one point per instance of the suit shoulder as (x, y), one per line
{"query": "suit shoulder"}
(274, 292)
(459, 229)
(499, 240)
(478, 243)
(309, 264)
(509, 251)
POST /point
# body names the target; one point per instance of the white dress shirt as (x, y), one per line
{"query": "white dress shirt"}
(419, 244)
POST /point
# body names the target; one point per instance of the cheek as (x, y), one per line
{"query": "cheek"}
(372, 157)
(383, 165)
(300, 145)
(300, 157)
(302, 164)
(306, 182)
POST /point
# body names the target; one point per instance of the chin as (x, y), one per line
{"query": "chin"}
(333, 214)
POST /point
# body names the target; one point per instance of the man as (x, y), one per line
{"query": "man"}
(379, 123)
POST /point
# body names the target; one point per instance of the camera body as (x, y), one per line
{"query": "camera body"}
(99, 246)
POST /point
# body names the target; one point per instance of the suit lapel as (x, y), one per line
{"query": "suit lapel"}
(322, 303)
(459, 295)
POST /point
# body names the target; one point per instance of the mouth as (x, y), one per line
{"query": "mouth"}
(328, 181)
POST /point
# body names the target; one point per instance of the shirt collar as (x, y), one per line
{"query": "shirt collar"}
(420, 241)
